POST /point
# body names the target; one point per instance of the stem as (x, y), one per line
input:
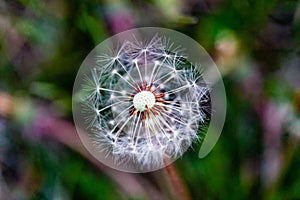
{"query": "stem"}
(179, 190)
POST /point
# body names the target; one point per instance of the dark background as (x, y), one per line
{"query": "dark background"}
(256, 45)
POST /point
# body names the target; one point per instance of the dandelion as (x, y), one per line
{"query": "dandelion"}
(144, 103)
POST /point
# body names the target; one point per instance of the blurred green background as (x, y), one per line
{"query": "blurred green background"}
(256, 45)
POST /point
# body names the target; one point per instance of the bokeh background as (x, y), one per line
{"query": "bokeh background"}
(256, 45)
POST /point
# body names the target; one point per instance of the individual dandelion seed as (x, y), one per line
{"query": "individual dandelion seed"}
(142, 103)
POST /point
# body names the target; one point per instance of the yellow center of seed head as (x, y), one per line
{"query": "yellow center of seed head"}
(143, 99)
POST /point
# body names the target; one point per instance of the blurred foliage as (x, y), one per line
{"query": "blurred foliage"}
(255, 44)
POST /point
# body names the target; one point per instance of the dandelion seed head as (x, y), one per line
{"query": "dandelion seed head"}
(149, 102)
